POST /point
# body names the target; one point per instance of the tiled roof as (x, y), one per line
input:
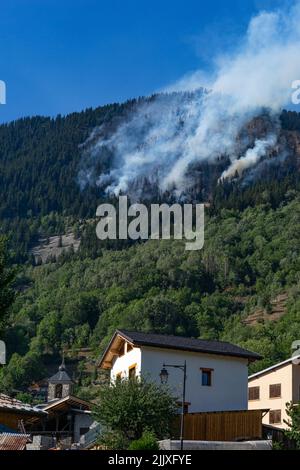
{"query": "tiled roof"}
(187, 344)
(9, 441)
(9, 403)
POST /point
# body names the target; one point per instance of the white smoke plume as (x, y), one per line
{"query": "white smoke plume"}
(251, 158)
(167, 134)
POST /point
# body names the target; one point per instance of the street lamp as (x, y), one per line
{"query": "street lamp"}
(164, 376)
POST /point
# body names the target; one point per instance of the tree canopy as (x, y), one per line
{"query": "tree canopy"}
(128, 407)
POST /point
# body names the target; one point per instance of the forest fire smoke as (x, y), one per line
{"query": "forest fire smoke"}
(201, 117)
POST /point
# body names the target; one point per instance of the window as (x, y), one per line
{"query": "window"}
(253, 393)
(275, 417)
(206, 377)
(275, 391)
(58, 391)
(132, 371)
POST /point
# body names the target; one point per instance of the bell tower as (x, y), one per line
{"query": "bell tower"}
(60, 385)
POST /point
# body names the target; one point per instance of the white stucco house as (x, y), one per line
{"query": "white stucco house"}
(217, 372)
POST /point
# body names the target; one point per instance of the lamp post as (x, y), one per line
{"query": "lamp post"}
(164, 376)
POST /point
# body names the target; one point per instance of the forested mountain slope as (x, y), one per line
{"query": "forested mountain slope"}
(251, 254)
(41, 160)
(39, 164)
(249, 258)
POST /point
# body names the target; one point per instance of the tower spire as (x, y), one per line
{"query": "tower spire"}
(62, 366)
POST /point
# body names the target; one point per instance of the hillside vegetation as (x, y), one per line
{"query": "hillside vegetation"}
(41, 159)
(249, 258)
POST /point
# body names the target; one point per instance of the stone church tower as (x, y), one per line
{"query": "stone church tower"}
(60, 385)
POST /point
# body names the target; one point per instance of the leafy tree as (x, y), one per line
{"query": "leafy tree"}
(25, 397)
(21, 371)
(129, 407)
(211, 314)
(7, 276)
(293, 423)
(49, 331)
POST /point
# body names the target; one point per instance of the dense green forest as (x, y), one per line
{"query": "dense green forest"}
(251, 256)
(248, 259)
(40, 161)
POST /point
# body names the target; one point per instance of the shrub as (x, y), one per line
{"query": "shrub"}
(148, 441)
(113, 440)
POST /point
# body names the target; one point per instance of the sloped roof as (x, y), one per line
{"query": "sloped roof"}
(13, 441)
(61, 377)
(182, 343)
(67, 401)
(8, 403)
(295, 359)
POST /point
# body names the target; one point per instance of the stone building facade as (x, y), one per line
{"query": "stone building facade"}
(60, 385)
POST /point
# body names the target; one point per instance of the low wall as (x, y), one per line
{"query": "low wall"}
(205, 445)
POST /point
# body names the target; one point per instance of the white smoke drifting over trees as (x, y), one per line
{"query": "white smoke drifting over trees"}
(168, 133)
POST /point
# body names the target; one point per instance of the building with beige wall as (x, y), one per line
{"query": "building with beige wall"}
(273, 388)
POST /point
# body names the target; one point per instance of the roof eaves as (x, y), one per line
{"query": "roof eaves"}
(275, 366)
(23, 409)
(55, 403)
(144, 342)
(117, 332)
(202, 351)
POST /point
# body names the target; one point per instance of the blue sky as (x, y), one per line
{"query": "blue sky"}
(64, 56)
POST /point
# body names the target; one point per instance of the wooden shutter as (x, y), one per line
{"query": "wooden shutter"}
(253, 393)
(275, 391)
